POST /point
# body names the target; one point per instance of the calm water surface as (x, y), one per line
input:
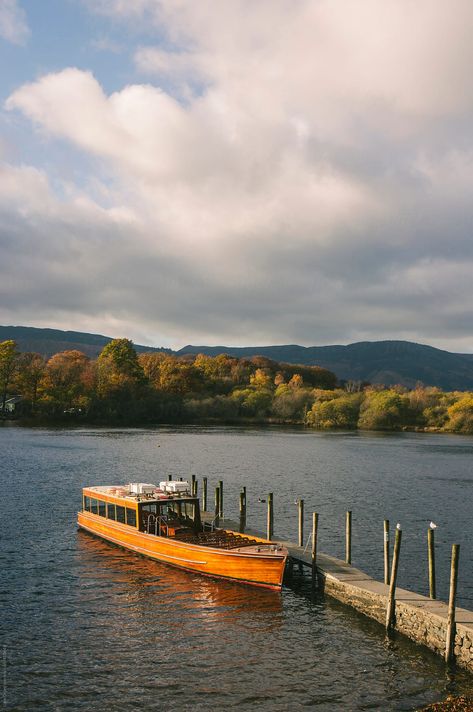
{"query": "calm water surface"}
(87, 626)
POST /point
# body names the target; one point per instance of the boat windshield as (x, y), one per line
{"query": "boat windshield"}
(166, 518)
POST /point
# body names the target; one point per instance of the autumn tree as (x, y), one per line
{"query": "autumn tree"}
(460, 415)
(261, 379)
(30, 371)
(8, 364)
(67, 382)
(151, 363)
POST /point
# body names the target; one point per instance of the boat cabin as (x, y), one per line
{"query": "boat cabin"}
(168, 510)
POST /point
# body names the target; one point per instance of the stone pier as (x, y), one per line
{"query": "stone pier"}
(417, 617)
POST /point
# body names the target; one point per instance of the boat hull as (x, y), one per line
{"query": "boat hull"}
(250, 567)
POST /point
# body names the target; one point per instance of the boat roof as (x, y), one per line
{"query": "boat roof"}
(123, 492)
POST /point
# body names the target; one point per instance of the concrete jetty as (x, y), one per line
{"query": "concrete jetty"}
(419, 618)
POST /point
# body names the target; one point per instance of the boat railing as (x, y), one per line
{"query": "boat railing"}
(162, 525)
(213, 524)
(157, 525)
(150, 522)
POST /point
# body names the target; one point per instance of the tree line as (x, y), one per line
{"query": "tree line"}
(395, 408)
(122, 387)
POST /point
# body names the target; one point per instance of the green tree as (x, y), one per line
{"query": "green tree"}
(122, 387)
(8, 364)
(30, 371)
(291, 402)
(118, 365)
(253, 402)
(340, 412)
(384, 410)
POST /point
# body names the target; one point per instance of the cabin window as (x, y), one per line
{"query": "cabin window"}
(102, 508)
(111, 511)
(152, 508)
(120, 513)
(131, 517)
(86, 503)
(94, 506)
(182, 510)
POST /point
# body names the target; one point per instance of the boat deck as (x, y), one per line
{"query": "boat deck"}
(217, 539)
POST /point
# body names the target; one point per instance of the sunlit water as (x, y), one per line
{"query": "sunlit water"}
(88, 626)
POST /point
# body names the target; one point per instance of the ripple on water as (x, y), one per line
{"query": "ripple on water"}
(87, 626)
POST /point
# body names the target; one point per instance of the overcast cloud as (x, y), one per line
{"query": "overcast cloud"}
(275, 171)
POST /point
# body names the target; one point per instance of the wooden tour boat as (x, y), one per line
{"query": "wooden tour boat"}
(164, 523)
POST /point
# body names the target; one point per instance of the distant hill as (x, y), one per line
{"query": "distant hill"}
(388, 362)
(49, 341)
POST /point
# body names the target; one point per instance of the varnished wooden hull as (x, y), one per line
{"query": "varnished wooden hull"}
(245, 566)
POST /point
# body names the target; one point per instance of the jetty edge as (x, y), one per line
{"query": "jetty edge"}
(421, 619)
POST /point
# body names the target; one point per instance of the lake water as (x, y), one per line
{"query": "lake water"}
(87, 626)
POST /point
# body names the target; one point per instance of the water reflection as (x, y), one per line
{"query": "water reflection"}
(89, 626)
(143, 581)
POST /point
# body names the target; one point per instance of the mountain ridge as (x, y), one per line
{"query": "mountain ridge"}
(389, 362)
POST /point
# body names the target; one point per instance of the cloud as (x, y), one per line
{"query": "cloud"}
(13, 25)
(297, 171)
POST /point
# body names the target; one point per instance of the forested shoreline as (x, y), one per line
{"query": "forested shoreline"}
(121, 387)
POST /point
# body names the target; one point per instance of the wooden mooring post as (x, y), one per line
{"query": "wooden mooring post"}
(315, 525)
(392, 585)
(194, 486)
(300, 506)
(431, 550)
(217, 503)
(348, 538)
(170, 478)
(270, 517)
(204, 494)
(386, 552)
(242, 513)
(449, 644)
(220, 500)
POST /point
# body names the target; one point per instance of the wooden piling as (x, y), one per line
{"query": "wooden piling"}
(315, 525)
(450, 642)
(204, 494)
(386, 552)
(392, 585)
(193, 486)
(242, 513)
(270, 517)
(220, 510)
(170, 478)
(300, 506)
(431, 552)
(217, 503)
(348, 538)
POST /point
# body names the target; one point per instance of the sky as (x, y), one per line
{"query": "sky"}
(243, 172)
